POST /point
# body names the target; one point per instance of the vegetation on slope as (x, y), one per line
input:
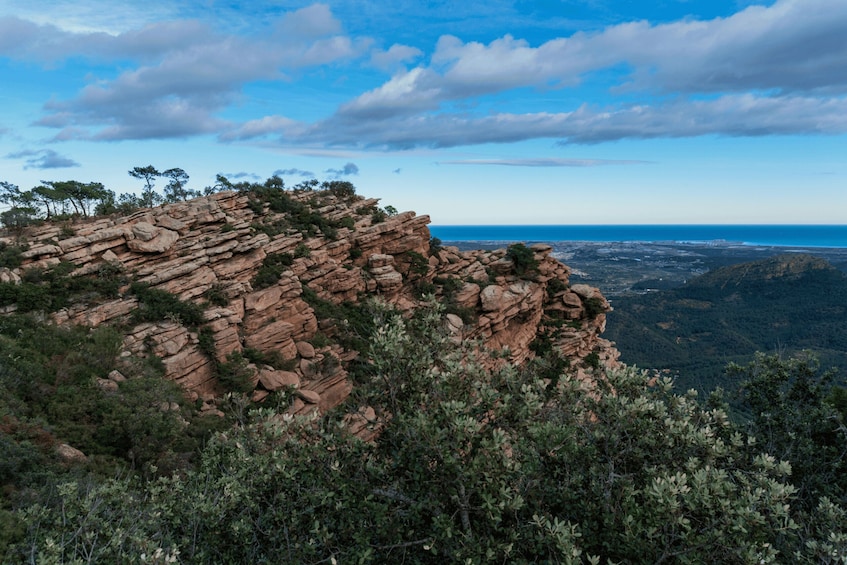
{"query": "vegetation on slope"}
(783, 305)
(472, 466)
(519, 464)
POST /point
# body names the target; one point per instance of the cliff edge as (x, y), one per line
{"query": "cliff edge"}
(265, 272)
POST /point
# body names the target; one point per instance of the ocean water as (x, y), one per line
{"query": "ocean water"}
(828, 236)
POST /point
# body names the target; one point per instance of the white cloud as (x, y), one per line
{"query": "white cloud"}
(732, 115)
(544, 162)
(279, 125)
(188, 73)
(347, 170)
(43, 159)
(293, 173)
(310, 22)
(395, 56)
(792, 46)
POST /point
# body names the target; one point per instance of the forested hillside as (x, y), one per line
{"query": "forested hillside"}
(784, 305)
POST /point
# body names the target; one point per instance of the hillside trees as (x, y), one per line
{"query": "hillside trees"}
(470, 465)
(148, 174)
(790, 413)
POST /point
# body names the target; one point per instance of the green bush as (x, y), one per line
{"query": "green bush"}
(10, 255)
(216, 294)
(522, 258)
(594, 306)
(234, 375)
(155, 305)
(272, 268)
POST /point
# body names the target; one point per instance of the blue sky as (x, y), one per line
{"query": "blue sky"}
(474, 112)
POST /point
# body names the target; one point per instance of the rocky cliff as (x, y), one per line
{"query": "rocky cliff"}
(260, 270)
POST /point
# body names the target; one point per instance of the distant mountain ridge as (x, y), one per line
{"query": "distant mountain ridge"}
(786, 303)
(785, 266)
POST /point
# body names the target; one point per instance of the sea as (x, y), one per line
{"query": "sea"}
(823, 236)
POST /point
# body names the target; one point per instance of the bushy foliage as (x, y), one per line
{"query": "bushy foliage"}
(523, 259)
(273, 265)
(156, 305)
(51, 289)
(470, 466)
(787, 405)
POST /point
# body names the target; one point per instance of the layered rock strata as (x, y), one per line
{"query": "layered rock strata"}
(219, 243)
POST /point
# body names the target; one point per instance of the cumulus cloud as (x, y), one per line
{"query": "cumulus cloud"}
(346, 170)
(43, 159)
(242, 175)
(186, 73)
(732, 115)
(764, 70)
(268, 125)
(778, 69)
(294, 173)
(395, 56)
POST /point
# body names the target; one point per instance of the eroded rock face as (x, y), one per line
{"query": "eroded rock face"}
(218, 244)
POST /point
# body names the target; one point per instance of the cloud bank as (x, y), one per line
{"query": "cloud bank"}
(765, 70)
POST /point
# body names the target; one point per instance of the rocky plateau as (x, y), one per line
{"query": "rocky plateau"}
(220, 242)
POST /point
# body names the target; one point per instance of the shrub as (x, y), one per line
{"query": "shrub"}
(155, 305)
(10, 255)
(378, 216)
(593, 307)
(272, 268)
(216, 294)
(302, 250)
(234, 375)
(523, 259)
(418, 264)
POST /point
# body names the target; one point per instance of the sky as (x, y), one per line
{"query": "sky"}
(474, 112)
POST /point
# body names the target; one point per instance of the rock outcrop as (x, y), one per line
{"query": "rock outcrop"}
(210, 250)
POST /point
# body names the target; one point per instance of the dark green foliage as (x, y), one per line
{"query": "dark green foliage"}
(216, 294)
(256, 206)
(418, 265)
(424, 288)
(353, 321)
(594, 306)
(789, 414)
(523, 259)
(785, 304)
(339, 188)
(206, 341)
(302, 250)
(48, 396)
(155, 305)
(272, 268)
(52, 289)
(434, 245)
(378, 216)
(234, 375)
(470, 465)
(555, 286)
(10, 255)
(149, 197)
(298, 215)
(273, 358)
(592, 360)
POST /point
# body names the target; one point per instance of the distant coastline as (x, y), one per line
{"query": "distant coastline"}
(818, 236)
